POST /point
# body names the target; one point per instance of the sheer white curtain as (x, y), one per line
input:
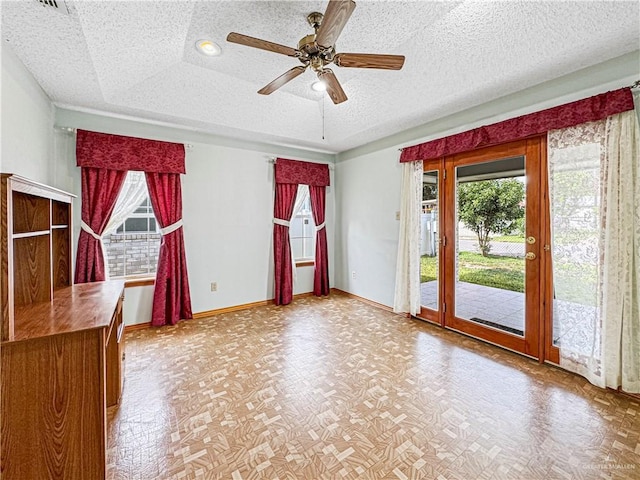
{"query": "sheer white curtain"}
(594, 191)
(407, 290)
(621, 294)
(301, 197)
(133, 193)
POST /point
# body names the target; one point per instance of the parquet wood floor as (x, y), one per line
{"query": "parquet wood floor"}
(336, 389)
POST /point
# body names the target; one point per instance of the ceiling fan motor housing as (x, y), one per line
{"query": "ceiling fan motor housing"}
(317, 50)
(312, 54)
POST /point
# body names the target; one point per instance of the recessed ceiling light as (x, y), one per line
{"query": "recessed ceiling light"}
(319, 86)
(209, 48)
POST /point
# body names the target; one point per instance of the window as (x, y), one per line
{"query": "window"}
(142, 220)
(303, 230)
(132, 245)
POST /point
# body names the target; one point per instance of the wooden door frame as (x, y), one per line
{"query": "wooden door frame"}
(551, 352)
(437, 316)
(530, 344)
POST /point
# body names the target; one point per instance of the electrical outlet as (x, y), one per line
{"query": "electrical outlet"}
(214, 286)
(353, 275)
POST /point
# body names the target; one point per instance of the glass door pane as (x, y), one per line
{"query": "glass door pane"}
(490, 244)
(429, 242)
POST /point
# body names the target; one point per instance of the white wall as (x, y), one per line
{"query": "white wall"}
(137, 305)
(228, 209)
(368, 195)
(27, 123)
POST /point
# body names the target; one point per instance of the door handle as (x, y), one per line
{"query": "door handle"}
(530, 256)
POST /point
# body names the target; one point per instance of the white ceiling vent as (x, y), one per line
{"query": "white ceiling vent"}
(57, 5)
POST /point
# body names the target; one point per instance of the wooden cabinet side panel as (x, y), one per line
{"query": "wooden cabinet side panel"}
(53, 407)
(5, 252)
(114, 351)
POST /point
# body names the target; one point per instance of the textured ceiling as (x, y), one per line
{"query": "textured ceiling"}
(137, 58)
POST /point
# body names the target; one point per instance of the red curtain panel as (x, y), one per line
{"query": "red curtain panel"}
(321, 272)
(100, 189)
(563, 116)
(171, 297)
(284, 202)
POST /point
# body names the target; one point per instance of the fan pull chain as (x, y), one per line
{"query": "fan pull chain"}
(323, 97)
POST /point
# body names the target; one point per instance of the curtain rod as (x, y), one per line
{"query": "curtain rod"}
(65, 129)
(187, 146)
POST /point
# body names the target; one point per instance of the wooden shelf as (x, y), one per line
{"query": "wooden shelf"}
(31, 234)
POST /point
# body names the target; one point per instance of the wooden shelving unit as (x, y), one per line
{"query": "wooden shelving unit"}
(36, 245)
(61, 345)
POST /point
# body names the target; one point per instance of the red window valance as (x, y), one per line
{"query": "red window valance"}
(116, 152)
(564, 116)
(305, 173)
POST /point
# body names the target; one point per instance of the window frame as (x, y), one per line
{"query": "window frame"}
(305, 214)
(142, 278)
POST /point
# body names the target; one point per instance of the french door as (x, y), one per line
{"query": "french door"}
(484, 246)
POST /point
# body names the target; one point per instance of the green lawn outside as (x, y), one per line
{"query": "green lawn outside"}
(506, 273)
(574, 282)
(508, 239)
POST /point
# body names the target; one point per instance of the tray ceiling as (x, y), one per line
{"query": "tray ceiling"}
(137, 58)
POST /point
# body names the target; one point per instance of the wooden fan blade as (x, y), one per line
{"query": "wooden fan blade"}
(281, 80)
(334, 89)
(369, 60)
(261, 44)
(335, 18)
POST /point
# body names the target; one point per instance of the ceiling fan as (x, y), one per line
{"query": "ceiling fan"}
(317, 50)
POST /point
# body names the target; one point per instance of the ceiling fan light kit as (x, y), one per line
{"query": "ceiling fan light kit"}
(319, 86)
(317, 50)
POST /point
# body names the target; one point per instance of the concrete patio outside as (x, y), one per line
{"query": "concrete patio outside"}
(504, 310)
